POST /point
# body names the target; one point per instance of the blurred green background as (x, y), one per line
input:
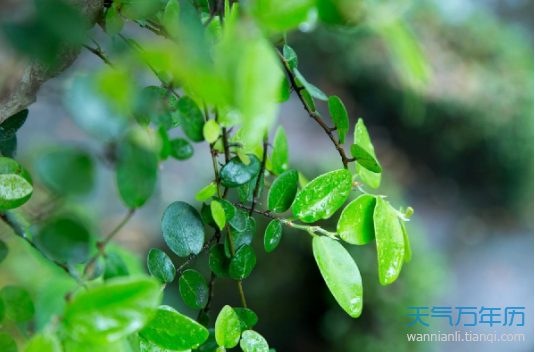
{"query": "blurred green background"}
(447, 95)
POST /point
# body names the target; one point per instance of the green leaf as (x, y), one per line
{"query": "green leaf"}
(16, 185)
(340, 273)
(193, 289)
(7, 344)
(211, 131)
(355, 225)
(290, 56)
(227, 328)
(308, 98)
(362, 138)
(64, 238)
(218, 214)
(44, 343)
(242, 263)
(181, 149)
(240, 238)
(279, 157)
(244, 158)
(162, 138)
(125, 305)
(313, 90)
(273, 235)
(239, 221)
(191, 119)
(157, 105)
(140, 9)
(365, 159)
(322, 196)
(219, 262)
(206, 215)
(207, 192)
(137, 171)
(8, 145)
(236, 173)
(66, 171)
(408, 253)
(14, 122)
(114, 21)
(171, 17)
(285, 91)
(281, 15)
(246, 190)
(282, 192)
(389, 238)
(18, 303)
(115, 266)
(229, 209)
(339, 116)
(182, 229)
(251, 341)
(160, 266)
(3, 251)
(248, 318)
(174, 331)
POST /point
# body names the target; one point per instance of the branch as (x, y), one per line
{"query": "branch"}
(260, 175)
(313, 114)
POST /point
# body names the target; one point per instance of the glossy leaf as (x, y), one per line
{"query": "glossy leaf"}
(322, 196)
(248, 318)
(219, 262)
(7, 344)
(282, 192)
(191, 119)
(182, 229)
(227, 328)
(313, 90)
(16, 185)
(355, 225)
(171, 17)
(3, 251)
(140, 9)
(406, 243)
(240, 238)
(281, 15)
(64, 238)
(114, 21)
(236, 173)
(44, 343)
(218, 214)
(112, 311)
(67, 171)
(181, 149)
(242, 263)
(114, 266)
(229, 209)
(211, 131)
(273, 235)
(18, 303)
(340, 273)
(279, 156)
(362, 138)
(390, 244)
(251, 341)
(207, 192)
(173, 331)
(365, 159)
(193, 289)
(246, 190)
(290, 56)
(339, 116)
(136, 172)
(160, 266)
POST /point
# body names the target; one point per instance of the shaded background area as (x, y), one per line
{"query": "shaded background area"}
(454, 134)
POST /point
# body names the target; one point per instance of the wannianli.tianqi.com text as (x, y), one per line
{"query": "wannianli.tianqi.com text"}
(457, 336)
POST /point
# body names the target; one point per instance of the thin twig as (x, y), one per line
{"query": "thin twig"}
(99, 54)
(260, 174)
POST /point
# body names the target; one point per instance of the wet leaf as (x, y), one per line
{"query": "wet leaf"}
(362, 138)
(339, 116)
(273, 235)
(236, 173)
(193, 289)
(355, 225)
(219, 262)
(322, 196)
(248, 318)
(239, 221)
(160, 266)
(340, 273)
(207, 192)
(218, 214)
(389, 238)
(240, 238)
(227, 328)
(182, 229)
(279, 156)
(365, 159)
(242, 263)
(251, 341)
(282, 192)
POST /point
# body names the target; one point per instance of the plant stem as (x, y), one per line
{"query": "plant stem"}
(313, 114)
(260, 174)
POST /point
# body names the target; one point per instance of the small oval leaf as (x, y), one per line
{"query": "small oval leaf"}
(160, 266)
(282, 192)
(236, 173)
(182, 229)
(251, 341)
(242, 263)
(273, 235)
(227, 328)
(355, 225)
